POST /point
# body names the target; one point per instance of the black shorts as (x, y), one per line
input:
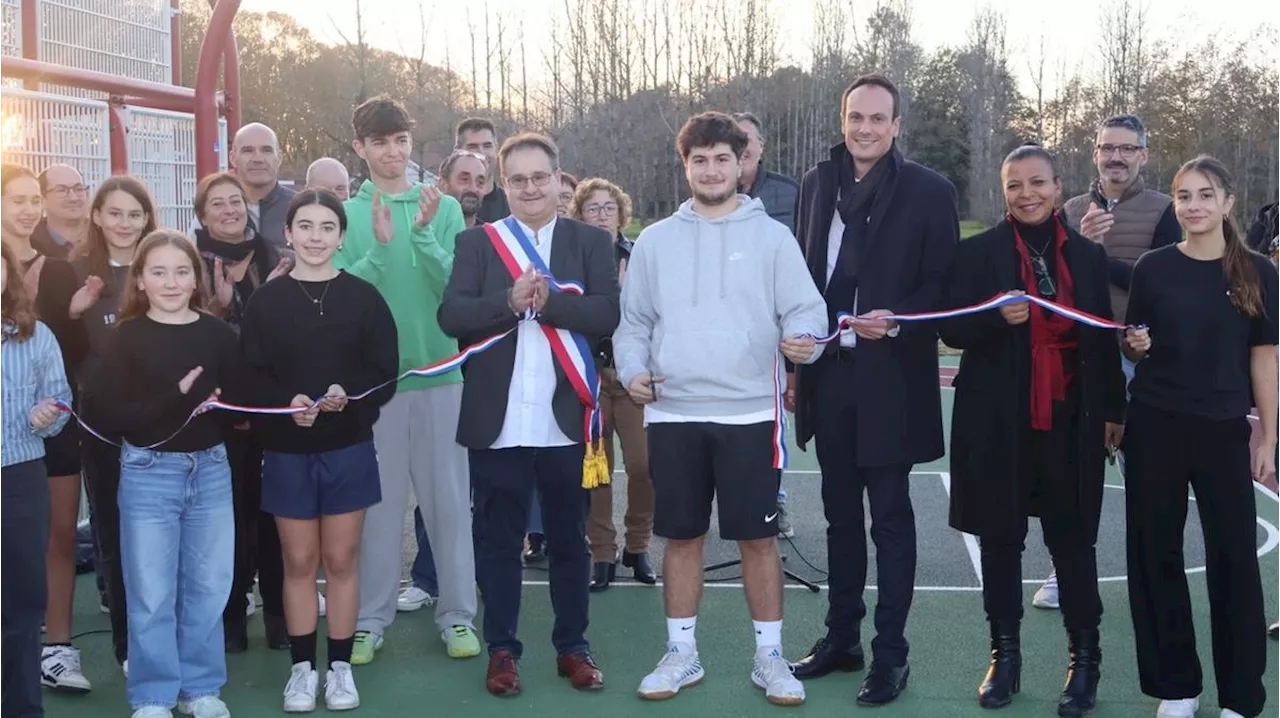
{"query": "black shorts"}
(62, 451)
(691, 463)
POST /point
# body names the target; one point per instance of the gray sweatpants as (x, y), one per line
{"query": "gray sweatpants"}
(416, 441)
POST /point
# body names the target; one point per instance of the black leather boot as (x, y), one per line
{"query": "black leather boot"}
(640, 568)
(1004, 673)
(1083, 672)
(602, 574)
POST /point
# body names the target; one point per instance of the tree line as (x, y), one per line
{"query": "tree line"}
(617, 78)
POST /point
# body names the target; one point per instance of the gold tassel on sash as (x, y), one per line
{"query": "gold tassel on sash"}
(595, 466)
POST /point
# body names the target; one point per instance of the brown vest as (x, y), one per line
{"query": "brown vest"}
(1137, 214)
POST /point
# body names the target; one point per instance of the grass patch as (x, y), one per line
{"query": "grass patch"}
(970, 227)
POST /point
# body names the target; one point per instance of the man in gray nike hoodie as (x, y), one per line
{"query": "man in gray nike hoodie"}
(715, 296)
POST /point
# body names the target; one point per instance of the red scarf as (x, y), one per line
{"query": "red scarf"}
(1052, 353)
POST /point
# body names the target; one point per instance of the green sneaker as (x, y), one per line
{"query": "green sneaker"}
(366, 644)
(461, 642)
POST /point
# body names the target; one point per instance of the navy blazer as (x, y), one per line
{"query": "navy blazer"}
(475, 306)
(902, 266)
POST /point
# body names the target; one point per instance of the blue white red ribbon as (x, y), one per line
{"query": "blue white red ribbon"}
(845, 320)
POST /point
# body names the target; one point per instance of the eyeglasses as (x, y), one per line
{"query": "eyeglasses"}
(1126, 151)
(62, 191)
(595, 210)
(539, 179)
(1044, 282)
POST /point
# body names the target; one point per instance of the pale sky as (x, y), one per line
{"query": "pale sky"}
(1071, 25)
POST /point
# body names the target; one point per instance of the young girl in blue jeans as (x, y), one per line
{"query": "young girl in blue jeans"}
(32, 378)
(177, 529)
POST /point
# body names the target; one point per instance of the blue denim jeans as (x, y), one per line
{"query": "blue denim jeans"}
(177, 546)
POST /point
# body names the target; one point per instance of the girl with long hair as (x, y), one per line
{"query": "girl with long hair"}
(50, 283)
(320, 469)
(177, 532)
(33, 380)
(121, 214)
(1206, 359)
(238, 260)
(1039, 401)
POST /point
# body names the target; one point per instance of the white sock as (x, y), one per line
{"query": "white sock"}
(681, 630)
(768, 634)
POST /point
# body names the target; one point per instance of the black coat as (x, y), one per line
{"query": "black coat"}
(991, 417)
(902, 267)
(475, 306)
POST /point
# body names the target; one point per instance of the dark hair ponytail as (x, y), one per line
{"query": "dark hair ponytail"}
(1237, 263)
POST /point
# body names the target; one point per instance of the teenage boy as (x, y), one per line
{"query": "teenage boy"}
(400, 238)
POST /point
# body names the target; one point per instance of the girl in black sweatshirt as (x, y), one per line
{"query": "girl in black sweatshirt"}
(177, 531)
(122, 213)
(319, 335)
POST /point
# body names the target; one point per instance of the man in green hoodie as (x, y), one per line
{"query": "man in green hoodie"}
(400, 238)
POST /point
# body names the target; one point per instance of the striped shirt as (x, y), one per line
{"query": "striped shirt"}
(30, 372)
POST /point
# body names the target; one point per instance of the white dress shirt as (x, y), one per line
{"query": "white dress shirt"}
(529, 421)
(834, 239)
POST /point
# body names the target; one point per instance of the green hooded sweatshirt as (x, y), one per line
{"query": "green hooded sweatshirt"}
(410, 273)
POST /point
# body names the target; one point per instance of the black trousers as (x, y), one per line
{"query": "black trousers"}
(502, 482)
(257, 539)
(24, 540)
(893, 522)
(1050, 468)
(102, 484)
(1166, 452)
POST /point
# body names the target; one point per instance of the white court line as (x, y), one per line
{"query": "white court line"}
(970, 541)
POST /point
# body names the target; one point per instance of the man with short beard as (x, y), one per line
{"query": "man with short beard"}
(255, 161)
(479, 135)
(464, 175)
(1128, 220)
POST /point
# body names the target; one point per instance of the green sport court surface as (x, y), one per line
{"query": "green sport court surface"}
(412, 676)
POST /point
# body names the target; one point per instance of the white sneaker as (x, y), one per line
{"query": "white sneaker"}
(324, 608)
(207, 707)
(253, 605)
(153, 712)
(125, 667)
(340, 692)
(773, 673)
(1181, 708)
(1228, 713)
(413, 598)
(60, 669)
(679, 668)
(300, 691)
(1047, 596)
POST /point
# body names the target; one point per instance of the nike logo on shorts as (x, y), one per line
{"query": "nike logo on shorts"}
(771, 517)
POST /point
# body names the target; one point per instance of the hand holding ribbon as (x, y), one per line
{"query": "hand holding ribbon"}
(43, 414)
(1016, 313)
(335, 399)
(308, 410)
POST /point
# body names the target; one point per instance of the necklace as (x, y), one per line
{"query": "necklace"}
(318, 302)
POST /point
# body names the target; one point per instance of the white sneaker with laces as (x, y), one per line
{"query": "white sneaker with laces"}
(413, 598)
(300, 691)
(773, 673)
(153, 712)
(1047, 596)
(206, 707)
(60, 669)
(340, 692)
(1181, 708)
(679, 668)
(324, 608)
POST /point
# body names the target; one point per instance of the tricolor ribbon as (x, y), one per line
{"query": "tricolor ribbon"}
(845, 320)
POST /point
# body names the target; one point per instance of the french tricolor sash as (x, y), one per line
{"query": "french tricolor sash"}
(570, 349)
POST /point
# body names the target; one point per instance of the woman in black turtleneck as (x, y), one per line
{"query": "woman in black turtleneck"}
(1039, 402)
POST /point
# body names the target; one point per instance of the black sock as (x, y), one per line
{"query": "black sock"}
(340, 649)
(303, 648)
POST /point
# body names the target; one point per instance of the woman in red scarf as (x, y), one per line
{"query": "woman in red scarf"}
(1039, 401)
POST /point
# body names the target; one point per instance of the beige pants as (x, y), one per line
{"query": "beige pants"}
(626, 417)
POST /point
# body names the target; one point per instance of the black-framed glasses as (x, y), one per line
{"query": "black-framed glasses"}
(1044, 281)
(1126, 151)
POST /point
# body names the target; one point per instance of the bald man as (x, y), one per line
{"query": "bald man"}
(66, 207)
(328, 173)
(255, 159)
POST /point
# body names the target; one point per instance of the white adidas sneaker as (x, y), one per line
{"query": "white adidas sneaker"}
(60, 669)
(1181, 708)
(679, 668)
(773, 673)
